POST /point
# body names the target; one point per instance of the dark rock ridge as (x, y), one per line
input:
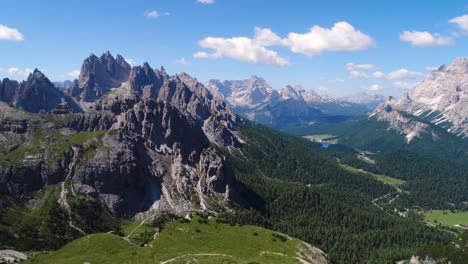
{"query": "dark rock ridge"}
(144, 141)
(98, 76)
(36, 94)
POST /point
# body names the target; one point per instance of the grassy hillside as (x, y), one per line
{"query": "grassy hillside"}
(446, 217)
(198, 240)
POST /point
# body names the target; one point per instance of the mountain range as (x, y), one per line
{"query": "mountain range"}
(129, 151)
(255, 99)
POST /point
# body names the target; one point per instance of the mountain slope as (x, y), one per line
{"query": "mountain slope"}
(441, 98)
(200, 240)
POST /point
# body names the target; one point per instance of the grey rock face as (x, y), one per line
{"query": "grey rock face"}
(98, 76)
(38, 93)
(442, 97)
(410, 128)
(152, 150)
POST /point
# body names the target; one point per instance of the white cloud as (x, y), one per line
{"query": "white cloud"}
(431, 68)
(357, 75)
(240, 48)
(181, 61)
(341, 37)
(402, 74)
(74, 73)
(351, 66)
(378, 75)
(336, 80)
(374, 87)
(130, 61)
(403, 85)
(397, 74)
(153, 14)
(7, 33)
(156, 14)
(266, 37)
(206, 1)
(461, 22)
(17, 71)
(425, 39)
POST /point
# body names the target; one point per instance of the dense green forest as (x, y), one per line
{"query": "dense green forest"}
(294, 187)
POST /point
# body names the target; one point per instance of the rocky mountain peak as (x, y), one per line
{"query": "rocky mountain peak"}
(158, 133)
(38, 93)
(289, 92)
(458, 66)
(442, 97)
(144, 81)
(98, 76)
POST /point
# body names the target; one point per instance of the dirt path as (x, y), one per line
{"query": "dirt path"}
(199, 254)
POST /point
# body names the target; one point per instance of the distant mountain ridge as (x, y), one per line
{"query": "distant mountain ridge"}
(258, 101)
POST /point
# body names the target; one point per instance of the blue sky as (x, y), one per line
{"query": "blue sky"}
(334, 47)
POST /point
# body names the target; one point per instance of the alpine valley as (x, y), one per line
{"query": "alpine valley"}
(133, 165)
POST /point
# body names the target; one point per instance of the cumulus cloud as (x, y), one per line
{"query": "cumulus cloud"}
(425, 39)
(378, 75)
(240, 48)
(12, 34)
(374, 87)
(17, 71)
(403, 85)
(402, 74)
(357, 75)
(461, 22)
(341, 37)
(266, 37)
(181, 61)
(208, 2)
(74, 73)
(397, 74)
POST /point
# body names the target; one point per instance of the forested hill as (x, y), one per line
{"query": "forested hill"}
(295, 187)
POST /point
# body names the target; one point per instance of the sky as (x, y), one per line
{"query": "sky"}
(333, 47)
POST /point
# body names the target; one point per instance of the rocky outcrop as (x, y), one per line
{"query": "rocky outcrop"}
(441, 98)
(8, 89)
(98, 76)
(404, 125)
(145, 81)
(152, 143)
